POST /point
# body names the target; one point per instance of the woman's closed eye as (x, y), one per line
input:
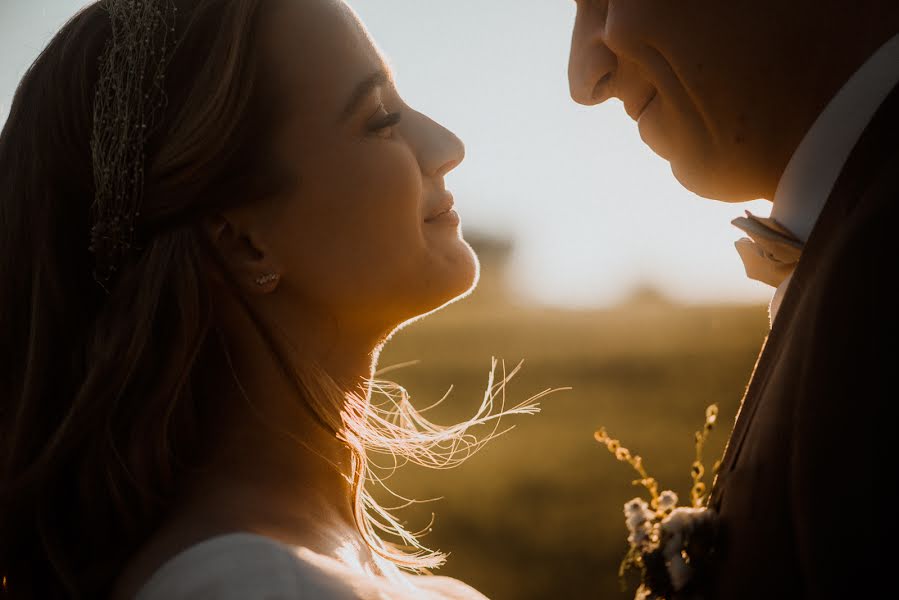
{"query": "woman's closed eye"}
(383, 123)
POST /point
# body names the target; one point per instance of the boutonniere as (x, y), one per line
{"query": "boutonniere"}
(670, 545)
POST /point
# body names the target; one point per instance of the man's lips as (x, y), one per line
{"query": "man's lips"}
(442, 207)
(635, 111)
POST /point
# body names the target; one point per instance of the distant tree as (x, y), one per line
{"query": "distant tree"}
(646, 295)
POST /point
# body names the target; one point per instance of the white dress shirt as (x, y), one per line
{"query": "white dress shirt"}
(819, 159)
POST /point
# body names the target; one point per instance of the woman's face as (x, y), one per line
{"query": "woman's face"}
(368, 234)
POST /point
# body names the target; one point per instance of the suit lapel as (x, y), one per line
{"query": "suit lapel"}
(871, 150)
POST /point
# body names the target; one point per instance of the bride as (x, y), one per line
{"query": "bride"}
(213, 214)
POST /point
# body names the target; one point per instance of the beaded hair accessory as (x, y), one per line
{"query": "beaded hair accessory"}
(129, 100)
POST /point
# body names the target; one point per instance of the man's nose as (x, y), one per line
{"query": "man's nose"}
(590, 63)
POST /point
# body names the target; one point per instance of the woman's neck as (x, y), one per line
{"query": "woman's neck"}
(276, 469)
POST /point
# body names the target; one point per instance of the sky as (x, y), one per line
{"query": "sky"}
(592, 212)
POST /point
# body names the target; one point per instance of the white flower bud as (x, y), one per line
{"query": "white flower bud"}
(637, 513)
(637, 505)
(667, 500)
(641, 536)
(637, 520)
(684, 520)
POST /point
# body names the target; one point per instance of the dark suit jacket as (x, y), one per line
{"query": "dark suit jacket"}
(805, 488)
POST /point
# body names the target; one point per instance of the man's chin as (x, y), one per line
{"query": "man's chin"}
(709, 183)
(685, 171)
(690, 162)
(654, 138)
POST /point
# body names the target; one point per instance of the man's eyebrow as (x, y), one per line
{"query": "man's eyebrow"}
(362, 90)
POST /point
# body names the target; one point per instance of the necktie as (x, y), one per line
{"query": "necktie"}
(771, 251)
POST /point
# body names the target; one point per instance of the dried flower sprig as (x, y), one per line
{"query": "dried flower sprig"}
(697, 492)
(669, 544)
(624, 455)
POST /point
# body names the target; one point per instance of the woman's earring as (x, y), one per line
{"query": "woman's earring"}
(267, 278)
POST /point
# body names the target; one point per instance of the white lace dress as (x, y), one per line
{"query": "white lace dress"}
(246, 566)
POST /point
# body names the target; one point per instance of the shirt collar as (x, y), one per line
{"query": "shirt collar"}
(817, 162)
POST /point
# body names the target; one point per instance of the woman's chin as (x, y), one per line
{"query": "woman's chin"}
(455, 278)
(462, 291)
(463, 272)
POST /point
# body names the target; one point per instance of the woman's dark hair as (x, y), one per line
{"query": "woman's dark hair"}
(104, 400)
(111, 405)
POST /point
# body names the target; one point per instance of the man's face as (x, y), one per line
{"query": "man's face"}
(716, 86)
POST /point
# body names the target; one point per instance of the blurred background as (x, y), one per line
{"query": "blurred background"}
(537, 514)
(598, 270)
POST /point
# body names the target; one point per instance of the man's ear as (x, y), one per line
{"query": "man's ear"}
(242, 250)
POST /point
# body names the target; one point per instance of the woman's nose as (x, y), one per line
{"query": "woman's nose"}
(439, 149)
(590, 61)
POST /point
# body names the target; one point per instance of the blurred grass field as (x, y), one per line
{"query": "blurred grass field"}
(537, 514)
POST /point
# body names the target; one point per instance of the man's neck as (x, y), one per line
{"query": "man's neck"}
(816, 164)
(860, 35)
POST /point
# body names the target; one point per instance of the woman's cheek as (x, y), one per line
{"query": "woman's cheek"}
(394, 191)
(360, 220)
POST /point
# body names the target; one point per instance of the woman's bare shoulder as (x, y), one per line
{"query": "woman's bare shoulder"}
(244, 566)
(447, 588)
(248, 566)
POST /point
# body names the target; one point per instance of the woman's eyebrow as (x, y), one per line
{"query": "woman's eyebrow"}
(362, 90)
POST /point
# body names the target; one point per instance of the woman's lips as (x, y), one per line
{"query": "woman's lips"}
(449, 217)
(443, 212)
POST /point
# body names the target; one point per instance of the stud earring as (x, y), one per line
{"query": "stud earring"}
(267, 278)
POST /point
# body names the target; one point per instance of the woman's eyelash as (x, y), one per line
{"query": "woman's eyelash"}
(388, 121)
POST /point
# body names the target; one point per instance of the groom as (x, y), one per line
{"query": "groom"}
(796, 101)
